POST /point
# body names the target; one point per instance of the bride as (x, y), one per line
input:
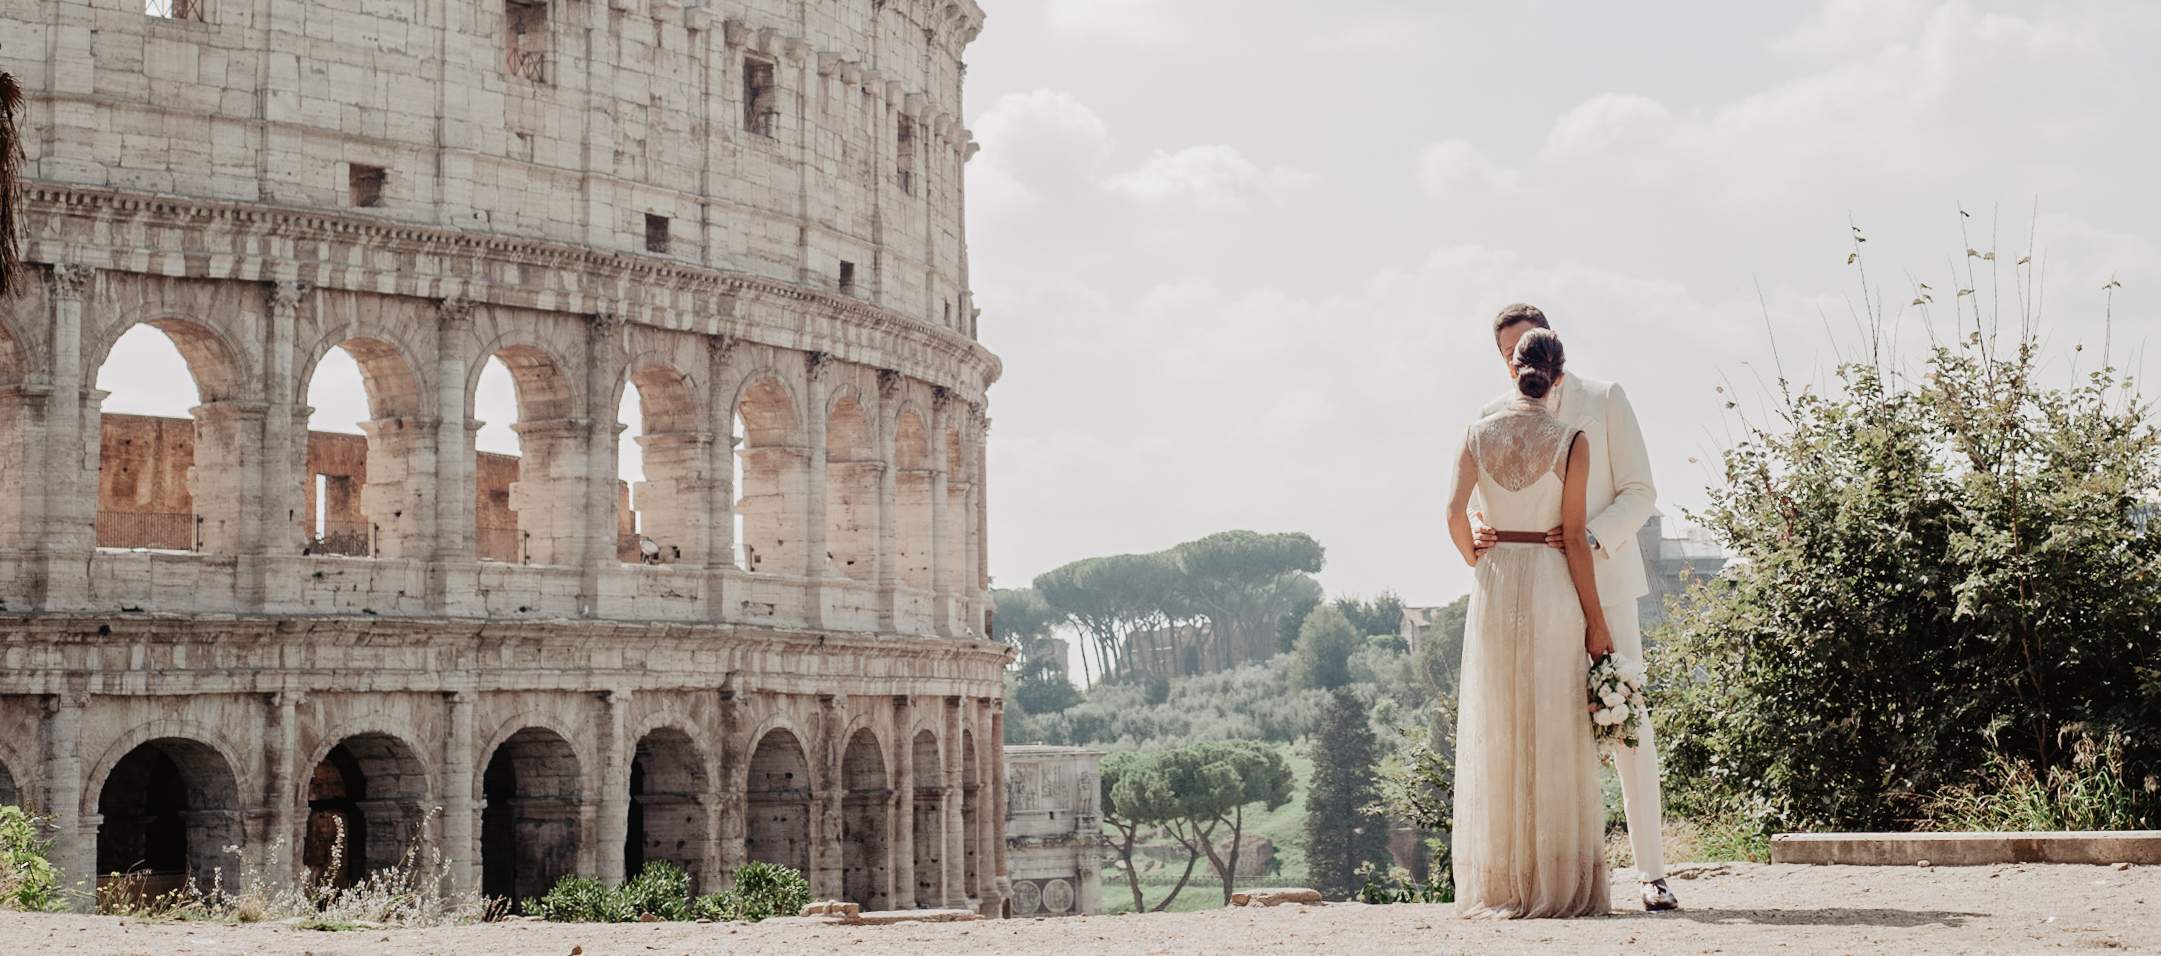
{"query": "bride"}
(1529, 825)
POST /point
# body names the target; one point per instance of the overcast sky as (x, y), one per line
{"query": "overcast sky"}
(1238, 255)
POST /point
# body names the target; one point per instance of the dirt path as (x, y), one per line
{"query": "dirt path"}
(1735, 908)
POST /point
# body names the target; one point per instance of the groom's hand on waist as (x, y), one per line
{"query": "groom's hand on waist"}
(1483, 537)
(1557, 539)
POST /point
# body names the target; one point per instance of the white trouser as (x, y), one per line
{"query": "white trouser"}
(1639, 766)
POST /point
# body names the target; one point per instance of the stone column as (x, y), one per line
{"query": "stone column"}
(58, 512)
(614, 824)
(460, 850)
(816, 562)
(903, 842)
(734, 848)
(285, 433)
(941, 519)
(673, 495)
(889, 398)
(598, 517)
(994, 813)
(226, 480)
(401, 480)
(74, 838)
(282, 739)
(720, 475)
(956, 835)
(548, 495)
(979, 577)
(452, 580)
(826, 796)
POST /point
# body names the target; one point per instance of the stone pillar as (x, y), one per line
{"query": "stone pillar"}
(956, 835)
(452, 579)
(941, 519)
(816, 561)
(461, 851)
(598, 519)
(615, 757)
(226, 479)
(994, 812)
(547, 495)
(903, 843)
(74, 837)
(887, 422)
(673, 495)
(825, 828)
(720, 475)
(281, 850)
(401, 479)
(285, 427)
(734, 850)
(58, 512)
(979, 577)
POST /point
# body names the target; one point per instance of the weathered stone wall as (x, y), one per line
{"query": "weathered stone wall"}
(593, 194)
(1054, 831)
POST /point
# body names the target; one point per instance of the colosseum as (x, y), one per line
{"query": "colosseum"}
(226, 637)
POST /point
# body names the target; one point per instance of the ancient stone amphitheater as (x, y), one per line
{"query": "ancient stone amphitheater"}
(749, 209)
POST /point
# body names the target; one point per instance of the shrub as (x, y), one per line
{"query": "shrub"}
(764, 890)
(1379, 885)
(28, 880)
(583, 899)
(2092, 792)
(1940, 572)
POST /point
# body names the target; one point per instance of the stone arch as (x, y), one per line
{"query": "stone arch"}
(853, 472)
(367, 798)
(528, 509)
(670, 502)
(865, 823)
(150, 494)
(913, 490)
(773, 471)
(928, 772)
(669, 816)
(169, 806)
(778, 800)
(375, 504)
(971, 816)
(532, 820)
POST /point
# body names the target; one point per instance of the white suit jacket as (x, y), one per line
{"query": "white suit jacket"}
(1621, 496)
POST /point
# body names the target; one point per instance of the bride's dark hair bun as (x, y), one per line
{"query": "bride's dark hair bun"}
(1538, 362)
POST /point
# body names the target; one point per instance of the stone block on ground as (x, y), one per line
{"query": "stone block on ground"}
(1968, 849)
(1278, 897)
(839, 908)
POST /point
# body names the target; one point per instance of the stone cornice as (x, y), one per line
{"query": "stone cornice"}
(645, 290)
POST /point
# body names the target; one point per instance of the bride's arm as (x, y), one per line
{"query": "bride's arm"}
(1459, 505)
(1597, 640)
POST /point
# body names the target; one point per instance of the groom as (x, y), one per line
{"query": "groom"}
(1621, 499)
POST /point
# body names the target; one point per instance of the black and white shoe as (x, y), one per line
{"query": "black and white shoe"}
(1657, 898)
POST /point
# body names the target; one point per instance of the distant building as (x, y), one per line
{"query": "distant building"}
(1054, 831)
(1673, 565)
(1418, 624)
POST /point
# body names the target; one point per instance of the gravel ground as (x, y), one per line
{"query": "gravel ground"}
(1733, 908)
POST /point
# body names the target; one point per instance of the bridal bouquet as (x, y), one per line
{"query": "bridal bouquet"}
(1618, 709)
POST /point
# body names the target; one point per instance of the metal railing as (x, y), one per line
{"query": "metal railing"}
(156, 531)
(174, 9)
(529, 64)
(343, 538)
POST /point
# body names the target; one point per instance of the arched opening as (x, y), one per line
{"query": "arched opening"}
(863, 824)
(668, 819)
(369, 459)
(366, 809)
(852, 473)
(772, 470)
(526, 474)
(913, 488)
(170, 807)
(929, 822)
(531, 816)
(168, 387)
(971, 815)
(779, 802)
(661, 514)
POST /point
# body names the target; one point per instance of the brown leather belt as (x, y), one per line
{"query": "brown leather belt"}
(1520, 537)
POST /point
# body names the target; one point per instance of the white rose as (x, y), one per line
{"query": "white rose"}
(1607, 718)
(1611, 697)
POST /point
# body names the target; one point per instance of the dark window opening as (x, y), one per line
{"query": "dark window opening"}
(656, 233)
(761, 99)
(905, 156)
(847, 276)
(366, 183)
(525, 39)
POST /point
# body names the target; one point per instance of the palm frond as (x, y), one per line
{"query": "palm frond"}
(11, 162)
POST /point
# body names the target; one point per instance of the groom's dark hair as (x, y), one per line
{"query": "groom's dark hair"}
(1516, 314)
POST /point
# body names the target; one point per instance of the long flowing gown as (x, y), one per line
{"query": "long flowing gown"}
(1529, 821)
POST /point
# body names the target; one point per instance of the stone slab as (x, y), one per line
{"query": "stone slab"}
(1968, 849)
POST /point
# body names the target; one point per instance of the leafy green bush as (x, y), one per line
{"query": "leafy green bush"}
(28, 880)
(1378, 885)
(764, 890)
(1942, 575)
(661, 889)
(583, 899)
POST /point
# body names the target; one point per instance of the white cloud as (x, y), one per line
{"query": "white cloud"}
(1033, 141)
(1454, 169)
(1213, 177)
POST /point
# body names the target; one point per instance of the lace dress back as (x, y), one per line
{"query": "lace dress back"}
(1529, 827)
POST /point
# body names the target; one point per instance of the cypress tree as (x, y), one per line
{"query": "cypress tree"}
(1340, 835)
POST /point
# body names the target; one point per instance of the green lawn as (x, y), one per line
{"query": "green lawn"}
(1285, 826)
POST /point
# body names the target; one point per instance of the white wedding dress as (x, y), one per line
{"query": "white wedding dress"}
(1529, 820)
